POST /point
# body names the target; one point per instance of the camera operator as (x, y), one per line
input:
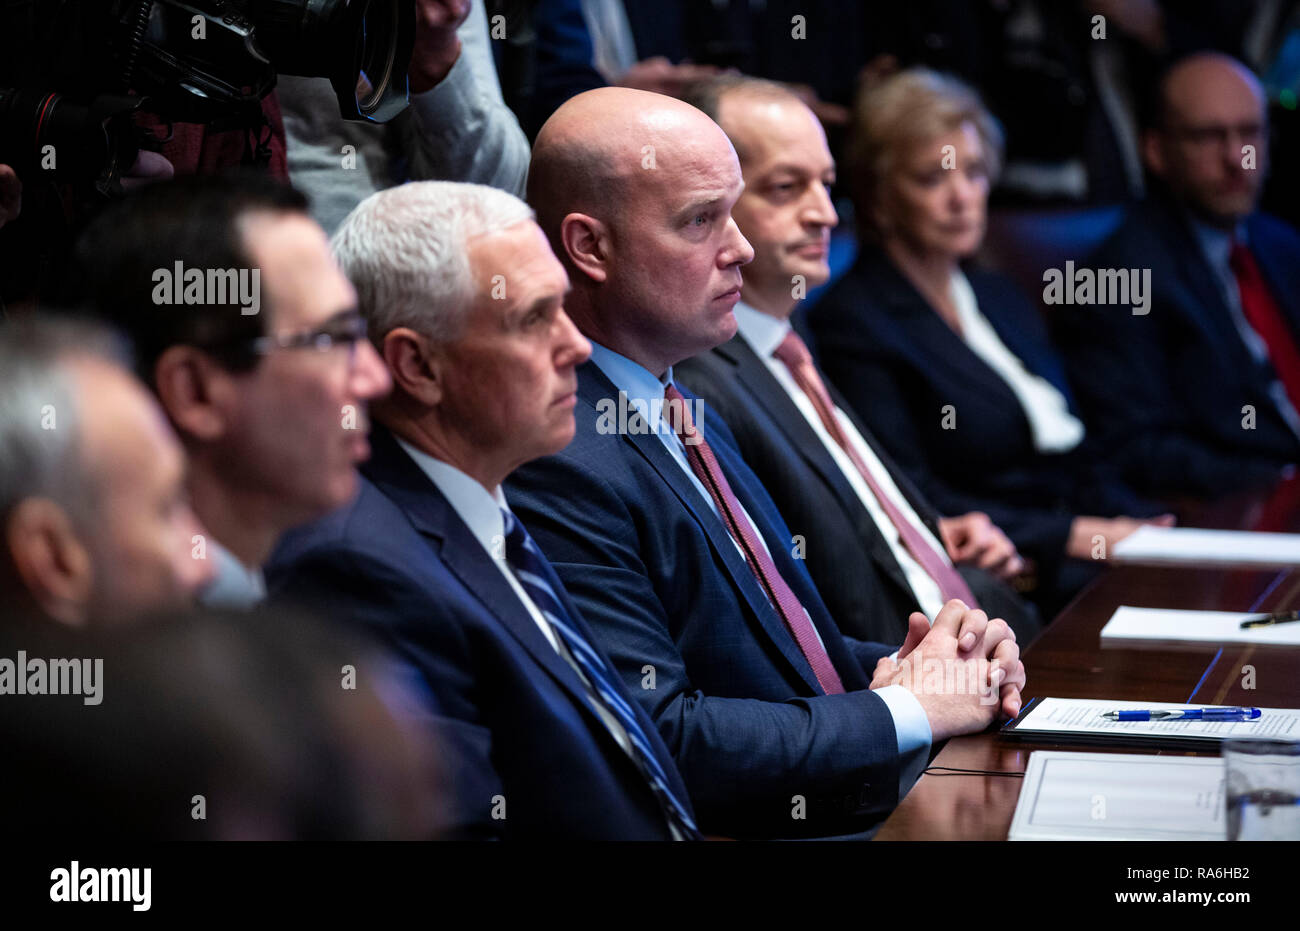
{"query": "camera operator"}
(458, 127)
(99, 96)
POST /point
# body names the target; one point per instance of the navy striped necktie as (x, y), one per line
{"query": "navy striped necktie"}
(528, 563)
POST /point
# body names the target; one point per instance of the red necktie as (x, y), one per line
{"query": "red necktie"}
(707, 470)
(798, 360)
(1265, 317)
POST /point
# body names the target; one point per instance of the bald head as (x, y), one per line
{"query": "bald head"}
(1209, 144)
(605, 146)
(635, 192)
(1209, 84)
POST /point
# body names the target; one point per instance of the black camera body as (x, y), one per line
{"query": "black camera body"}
(94, 62)
(201, 58)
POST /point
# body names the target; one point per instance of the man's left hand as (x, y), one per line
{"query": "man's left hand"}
(975, 540)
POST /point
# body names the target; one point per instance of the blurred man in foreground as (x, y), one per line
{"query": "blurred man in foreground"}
(95, 525)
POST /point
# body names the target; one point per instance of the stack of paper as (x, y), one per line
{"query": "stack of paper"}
(1138, 626)
(1120, 796)
(1196, 547)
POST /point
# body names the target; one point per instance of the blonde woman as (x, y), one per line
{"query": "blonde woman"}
(951, 367)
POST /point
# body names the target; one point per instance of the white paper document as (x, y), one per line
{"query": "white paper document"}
(1133, 626)
(1082, 717)
(1195, 547)
(1120, 796)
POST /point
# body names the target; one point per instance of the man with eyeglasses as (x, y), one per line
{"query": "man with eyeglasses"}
(270, 404)
(1198, 391)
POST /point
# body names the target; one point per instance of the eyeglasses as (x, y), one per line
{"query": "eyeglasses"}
(1206, 137)
(348, 330)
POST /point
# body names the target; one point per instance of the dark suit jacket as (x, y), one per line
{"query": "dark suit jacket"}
(900, 366)
(677, 607)
(506, 708)
(1166, 390)
(849, 559)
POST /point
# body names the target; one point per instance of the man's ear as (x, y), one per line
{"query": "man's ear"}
(587, 241)
(1153, 152)
(49, 560)
(194, 390)
(415, 365)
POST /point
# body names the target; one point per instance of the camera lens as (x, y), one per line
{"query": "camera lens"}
(377, 53)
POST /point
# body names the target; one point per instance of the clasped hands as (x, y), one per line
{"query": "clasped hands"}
(964, 669)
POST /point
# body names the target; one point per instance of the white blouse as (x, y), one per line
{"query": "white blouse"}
(1054, 428)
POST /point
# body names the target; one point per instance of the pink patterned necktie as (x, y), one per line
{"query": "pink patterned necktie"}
(798, 360)
(707, 470)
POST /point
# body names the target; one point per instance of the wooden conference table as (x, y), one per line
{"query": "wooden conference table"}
(1067, 661)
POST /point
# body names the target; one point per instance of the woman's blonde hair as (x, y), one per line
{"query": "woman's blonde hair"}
(906, 109)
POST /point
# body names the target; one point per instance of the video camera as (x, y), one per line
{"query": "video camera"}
(191, 61)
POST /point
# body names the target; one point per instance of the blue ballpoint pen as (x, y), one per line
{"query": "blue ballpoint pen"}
(1185, 714)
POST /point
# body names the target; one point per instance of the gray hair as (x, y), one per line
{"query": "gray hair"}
(39, 425)
(405, 250)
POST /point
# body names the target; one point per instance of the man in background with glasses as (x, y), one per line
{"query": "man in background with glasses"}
(268, 395)
(1197, 391)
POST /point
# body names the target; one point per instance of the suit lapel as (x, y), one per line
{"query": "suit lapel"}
(920, 504)
(763, 387)
(593, 388)
(934, 347)
(1208, 307)
(398, 477)
(789, 419)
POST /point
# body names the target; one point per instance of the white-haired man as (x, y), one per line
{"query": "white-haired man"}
(464, 301)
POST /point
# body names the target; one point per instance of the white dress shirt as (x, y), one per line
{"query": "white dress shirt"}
(911, 726)
(764, 333)
(1054, 428)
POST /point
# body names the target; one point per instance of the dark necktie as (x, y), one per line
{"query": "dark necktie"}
(1266, 318)
(528, 564)
(706, 468)
(798, 360)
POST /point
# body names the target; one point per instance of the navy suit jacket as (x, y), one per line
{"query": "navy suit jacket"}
(506, 708)
(901, 366)
(697, 641)
(1166, 390)
(848, 557)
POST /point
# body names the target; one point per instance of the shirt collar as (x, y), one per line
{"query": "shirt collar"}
(763, 332)
(632, 378)
(1216, 243)
(234, 585)
(479, 508)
